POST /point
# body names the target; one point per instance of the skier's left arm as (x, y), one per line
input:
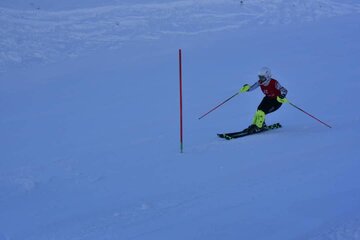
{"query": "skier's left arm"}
(283, 92)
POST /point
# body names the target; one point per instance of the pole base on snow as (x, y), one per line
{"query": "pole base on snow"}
(309, 114)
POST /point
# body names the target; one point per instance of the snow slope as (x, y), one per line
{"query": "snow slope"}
(40, 31)
(89, 120)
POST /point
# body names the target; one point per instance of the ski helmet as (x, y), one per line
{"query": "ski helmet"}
(265, 74)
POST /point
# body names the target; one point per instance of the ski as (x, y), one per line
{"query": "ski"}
(245, 132)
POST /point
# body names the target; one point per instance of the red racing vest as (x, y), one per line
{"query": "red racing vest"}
(271, 90)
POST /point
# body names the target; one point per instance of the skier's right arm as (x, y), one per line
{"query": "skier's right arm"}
(248, 88)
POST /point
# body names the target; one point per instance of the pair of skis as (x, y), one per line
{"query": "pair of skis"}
(246, 132)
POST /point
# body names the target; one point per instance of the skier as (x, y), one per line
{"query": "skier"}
(275, 96)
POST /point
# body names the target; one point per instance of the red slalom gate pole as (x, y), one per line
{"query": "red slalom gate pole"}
(181, 104)
(309, 114)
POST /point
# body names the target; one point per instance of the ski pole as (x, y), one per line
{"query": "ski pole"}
(219, 105)
(309, 114)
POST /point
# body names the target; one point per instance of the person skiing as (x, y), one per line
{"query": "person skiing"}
(275, 96)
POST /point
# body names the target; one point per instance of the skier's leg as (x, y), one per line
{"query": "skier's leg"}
(273, 106)
(269, 105)
(262, 110)
(259, 118)
(266, 106)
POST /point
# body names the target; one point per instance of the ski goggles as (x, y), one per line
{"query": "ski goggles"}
(262, 78)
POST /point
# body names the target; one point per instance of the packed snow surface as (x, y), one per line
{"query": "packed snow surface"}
(89, 120)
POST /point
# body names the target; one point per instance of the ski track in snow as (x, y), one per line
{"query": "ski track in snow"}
(46, 36)
(348, 231)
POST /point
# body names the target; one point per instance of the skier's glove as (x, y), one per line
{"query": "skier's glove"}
(245, 88)
(281, 99)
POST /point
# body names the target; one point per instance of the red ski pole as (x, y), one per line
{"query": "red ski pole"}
(309, 114)
(219, 105)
